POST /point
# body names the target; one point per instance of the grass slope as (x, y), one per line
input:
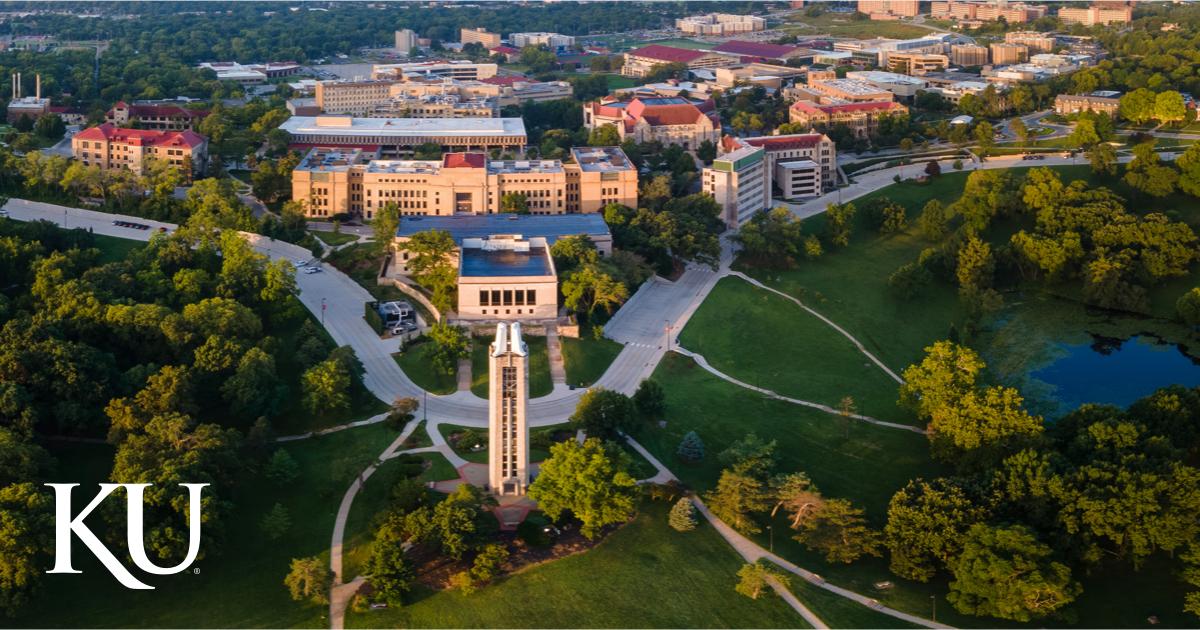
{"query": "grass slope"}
(540, 383)
(645, 575)
(766, 340)
(586, 358)
(417, 363)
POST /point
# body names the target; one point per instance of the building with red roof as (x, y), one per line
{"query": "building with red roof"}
(641, 61)
(159, 116)
(669, 120)
(861, 118)
(511, 55)
(111, 147)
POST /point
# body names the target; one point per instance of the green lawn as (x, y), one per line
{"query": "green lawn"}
(113, 249)
(618, 82)
(586, 358)
(765, 340)
(481, 456)
(839, 612)
(645, 575)
(238, 585)
(842, 25)
(333, 239)
(417, 362)
(540, 383)
(680, 42)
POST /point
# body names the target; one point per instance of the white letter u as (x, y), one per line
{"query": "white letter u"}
(137, 548)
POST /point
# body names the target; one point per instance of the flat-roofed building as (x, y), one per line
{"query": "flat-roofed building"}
(801, 147)
(406, 41)
(1013, 13)
(479, 35)
(669, 120)
(354, 182)
(1093, 15)
(849, 90)
(352, 97)
(861, 118)
(916, 63)
(720, 24)
(395, 136)
(1008, 54)
(553, 41)
(1108, 103)
(740, 183)
(770, 76)
(899, 8)
(954, 92)
(641, 61)
(110, 147)
(969, 55)
(1034, 41)
(900, 86)
(763, 50)
(460, 69)
(250, 74)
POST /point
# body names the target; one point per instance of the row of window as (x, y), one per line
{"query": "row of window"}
(508, 297)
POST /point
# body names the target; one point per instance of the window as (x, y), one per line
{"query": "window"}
(496, 298)
(531, 297)
(508, 298)
(483, 298)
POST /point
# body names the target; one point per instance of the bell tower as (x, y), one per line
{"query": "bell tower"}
(508, 393)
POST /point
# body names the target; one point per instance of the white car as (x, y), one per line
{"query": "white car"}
(311, 270)
(3, 212)
(300, 263)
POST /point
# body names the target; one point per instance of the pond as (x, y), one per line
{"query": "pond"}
(1114, 371)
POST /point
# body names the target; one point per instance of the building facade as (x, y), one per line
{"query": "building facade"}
(1013, 13)
(406, 41)
(111, 147)
(814, 148)
(157, 116)
(916, 63)
(899, 8)
(506, 277)
(720, 24)
(1008, 54)
(1067, 104)
(553, 41)
(861, 118)
(968, 55)
(1034, 41)
(479, 36)
(669, 120)
(332, 183)
(508, 394)
(1093, 15)
(460, 69)
(740, 183)
(399, 136)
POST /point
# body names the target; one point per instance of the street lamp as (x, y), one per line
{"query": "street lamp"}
(668, 333)
(322, 311)
(933, 599)
(771, 535)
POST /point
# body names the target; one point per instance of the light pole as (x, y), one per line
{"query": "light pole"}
(933, 598)
(322, 311)
(771, 536)
(668, 334)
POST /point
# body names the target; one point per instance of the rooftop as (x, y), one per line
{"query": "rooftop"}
(868, 106)
(601, 159)
(347, 126)
(549, 227)
(849, 86)
(876, 76)
(790, 141)
(142, 137)
(481, 262)
(667, 54)
(755, 49)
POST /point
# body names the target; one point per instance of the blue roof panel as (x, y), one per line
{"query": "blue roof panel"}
(549, 226)
(479, 262)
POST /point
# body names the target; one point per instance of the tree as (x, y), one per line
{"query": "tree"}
(1103, 158)
(1138, 106)
(981, 426)
(1018, 127)
(604, 413)
(1189, 170)
(590, 288)
(683, 515)
(1146, 173)
(926, 525)
(985, 136)
(1169, 107)
(389, 570)
(735, 499)
(450, 344)
(403, 411)
(604, 136)
(1005, 572)
(431, 264)
(26, 526)
(751, 455)
(753, 579)
(691, 447)
(515, 203)
(1187, 307)
(488, 563)
(838, 223)
(254, 389)
(281, 469)
(933, 169)
(771, 239)
(326, 387)
(706, 151)
(587, 480)
(384, 225)
(974, 267)
(650, 399)
(839, 530)
(309, 579)
(934, 221)
(946, 374)
(276, 522)
(795, 494)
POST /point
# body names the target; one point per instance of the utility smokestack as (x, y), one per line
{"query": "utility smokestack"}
(38, 89)
(18, 85)
(12, 84)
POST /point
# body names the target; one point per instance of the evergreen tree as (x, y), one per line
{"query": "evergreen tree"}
(683, 515)
(691, 447)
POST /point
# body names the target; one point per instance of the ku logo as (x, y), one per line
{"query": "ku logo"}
(65, 526)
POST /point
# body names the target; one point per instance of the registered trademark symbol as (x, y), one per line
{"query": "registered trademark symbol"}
(196, 571)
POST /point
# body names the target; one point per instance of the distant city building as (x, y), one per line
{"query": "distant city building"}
(406, 41)
(677, 121)
(434, 97)
(799, 165)
(31, 107)
(640, 62)
(916, 63)
(1034, 41)
(762, 50)
(849, 90)
(720, 24)
(462, 70)
(880, 9)
(739, 182)
(1008, 54)
(351, 97)
(162, 116)
(874, 52)
(355, 182)
(1099, 102)
(769, 76)
(953, 92)
(479, 36)
(553, 41)
(900, 86)
(1013, 13)
(510, 54)
(968, 55)
(1097, 14)
(861, 118)
(396, 136)
(250, 74)
(111, 147)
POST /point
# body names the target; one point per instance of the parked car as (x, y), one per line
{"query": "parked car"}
(300, 263)
(405, 327)
(3, 212)
(312, 270)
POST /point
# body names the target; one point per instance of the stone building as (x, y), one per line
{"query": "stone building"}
(508, 395)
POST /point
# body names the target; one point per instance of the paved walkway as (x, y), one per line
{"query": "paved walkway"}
(558, 371)
(464, 375)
